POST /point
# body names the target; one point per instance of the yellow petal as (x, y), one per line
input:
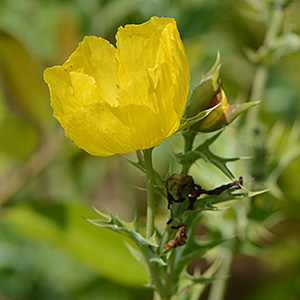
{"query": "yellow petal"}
(155, 44)
(103, 130)
(69, 92)
(94, 57)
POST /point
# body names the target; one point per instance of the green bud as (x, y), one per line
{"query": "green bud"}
(208, 94)
(205, 91)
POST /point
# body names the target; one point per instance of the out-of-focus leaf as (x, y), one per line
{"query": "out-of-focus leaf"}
(283, 286)
(185, 254)
(24, 79)
(286, 148)
(111, 14)
(145, 246)
(98, 248)
(188, 290)
(3, 109)
(32, 277)
(285, 44)
(17, 137)
(69, 33)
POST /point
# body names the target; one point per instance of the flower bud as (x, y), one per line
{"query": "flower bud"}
(204, 93)
(224, 114)
(208, 94)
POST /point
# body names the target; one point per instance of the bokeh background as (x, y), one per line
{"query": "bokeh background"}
(48, 186)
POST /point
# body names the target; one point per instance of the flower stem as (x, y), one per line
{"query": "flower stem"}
(150, 193)
(169, 273)
(153, 266)
(188, 145)
(159, 290)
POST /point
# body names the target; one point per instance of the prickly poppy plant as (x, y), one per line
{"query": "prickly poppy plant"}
(113, 100)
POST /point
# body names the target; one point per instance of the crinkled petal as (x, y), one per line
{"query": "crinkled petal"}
(153, 45)
(103, 130)
(92, 66)
(69, 91)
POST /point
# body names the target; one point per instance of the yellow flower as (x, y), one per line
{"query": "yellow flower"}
(115, 100)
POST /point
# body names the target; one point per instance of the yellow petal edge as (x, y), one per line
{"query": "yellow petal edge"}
(115, 100)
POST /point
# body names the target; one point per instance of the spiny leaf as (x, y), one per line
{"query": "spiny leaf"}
(136, 253)
(192, 249)
(203, 152)
(191, 291)
(99, 250)
(185, 254)
(158, 261)
(112, 222)
(140, 164)
(144, 251)
(201, 279)
(227, 195)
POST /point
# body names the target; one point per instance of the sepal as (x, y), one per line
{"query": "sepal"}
(224, 114)
(188, 122)
(192, 286)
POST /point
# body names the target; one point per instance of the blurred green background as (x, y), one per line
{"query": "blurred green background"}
(47, 250)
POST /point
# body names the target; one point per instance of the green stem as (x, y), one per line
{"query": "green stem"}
(169, 274)
(258, 86)
(165, 238)
(159, 289)
(150, 193)
(153, 267)
(188, 146)
(275, 25)
(189, 138)
(156, 296)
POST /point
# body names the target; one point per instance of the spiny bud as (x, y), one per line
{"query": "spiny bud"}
(208, 94)
(205, 91)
